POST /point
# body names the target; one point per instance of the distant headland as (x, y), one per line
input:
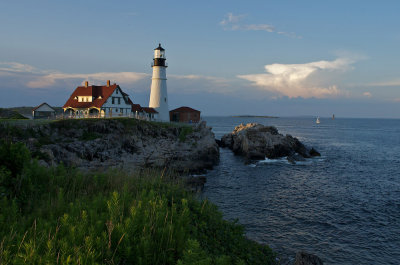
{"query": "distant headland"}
(255, 116)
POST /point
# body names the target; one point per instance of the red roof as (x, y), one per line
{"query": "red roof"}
(94, 91)
(149, 110)
(136, 107)
(184, 109)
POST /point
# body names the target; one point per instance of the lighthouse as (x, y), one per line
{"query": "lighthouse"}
(158, 93)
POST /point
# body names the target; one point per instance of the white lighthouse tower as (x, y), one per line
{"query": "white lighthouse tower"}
(158, 94)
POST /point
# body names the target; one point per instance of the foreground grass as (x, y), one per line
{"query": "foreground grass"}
(63, 216)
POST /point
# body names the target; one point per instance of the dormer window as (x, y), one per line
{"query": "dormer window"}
(76, 98)
(99, 97)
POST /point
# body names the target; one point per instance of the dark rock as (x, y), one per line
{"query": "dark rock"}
(196, 183)
(314, 152)
(256, 141)
(304, 258)
(124, 143)
(291, 160)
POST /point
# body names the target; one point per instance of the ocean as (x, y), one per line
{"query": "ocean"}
(343, 206)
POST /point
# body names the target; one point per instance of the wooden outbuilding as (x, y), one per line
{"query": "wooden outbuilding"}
(43, 111)
(184, 114)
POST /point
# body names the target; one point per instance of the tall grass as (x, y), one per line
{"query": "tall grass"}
(60, 215)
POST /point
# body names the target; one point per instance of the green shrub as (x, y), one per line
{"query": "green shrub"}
(184, 131)
(89, 136)
(64, 216)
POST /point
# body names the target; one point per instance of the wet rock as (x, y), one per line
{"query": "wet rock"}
(314, 152)
(196, 183)
(304, 258)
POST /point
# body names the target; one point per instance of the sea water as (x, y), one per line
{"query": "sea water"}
(343, 206)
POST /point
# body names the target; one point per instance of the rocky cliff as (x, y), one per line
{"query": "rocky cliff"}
(124, 143)
(255, 141)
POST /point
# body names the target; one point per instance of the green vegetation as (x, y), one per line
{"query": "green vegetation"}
(11, 114)
(60, 215)
(185, 130)
(88, 136)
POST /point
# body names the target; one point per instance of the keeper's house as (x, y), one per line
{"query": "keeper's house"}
(98, 101)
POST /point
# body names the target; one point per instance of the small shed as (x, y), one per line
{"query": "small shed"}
(43, 111)
(184, 114)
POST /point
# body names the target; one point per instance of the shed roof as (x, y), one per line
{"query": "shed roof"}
(43, 104)
(184, 109)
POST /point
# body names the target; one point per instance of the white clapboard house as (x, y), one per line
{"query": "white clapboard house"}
(99, 101)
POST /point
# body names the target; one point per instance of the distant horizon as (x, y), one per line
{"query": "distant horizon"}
(253, 115)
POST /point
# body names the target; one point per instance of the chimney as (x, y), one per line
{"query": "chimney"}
(86, 83)
(108, 83)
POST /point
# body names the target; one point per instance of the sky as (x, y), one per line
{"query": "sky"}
(280, 58)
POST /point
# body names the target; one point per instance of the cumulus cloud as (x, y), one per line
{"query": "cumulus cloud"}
(234, 22)
(300, 80)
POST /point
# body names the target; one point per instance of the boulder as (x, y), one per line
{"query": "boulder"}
(255, 141)
(304, 258)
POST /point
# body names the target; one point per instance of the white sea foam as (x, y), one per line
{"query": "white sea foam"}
(278, 160)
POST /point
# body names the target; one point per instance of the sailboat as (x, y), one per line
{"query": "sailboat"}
(333, 116)
(317, 121)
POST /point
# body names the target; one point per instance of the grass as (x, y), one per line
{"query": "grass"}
(185, 131)
(60, 215)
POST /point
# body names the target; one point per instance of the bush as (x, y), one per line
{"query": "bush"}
(70, 217)
(184, 131)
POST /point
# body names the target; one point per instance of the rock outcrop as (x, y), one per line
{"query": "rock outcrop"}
(304, 258)
(255, 141)
(123, 143)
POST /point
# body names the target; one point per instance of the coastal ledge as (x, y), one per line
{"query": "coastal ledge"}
(256, 142)
(124, 143)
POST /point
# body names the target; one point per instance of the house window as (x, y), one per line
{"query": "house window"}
(116, 110)
(116, 91)
(119, 100)
(113, 100)
(122, 110)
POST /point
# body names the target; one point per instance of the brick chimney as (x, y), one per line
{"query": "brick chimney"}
(86, 83)
(108, 83)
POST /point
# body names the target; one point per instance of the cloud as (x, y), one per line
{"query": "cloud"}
(234, 22)
(391, 83)
(25, 76)
(300, 80)
(367, 94)
(49, 80)
(231, 19)
(13, 67)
